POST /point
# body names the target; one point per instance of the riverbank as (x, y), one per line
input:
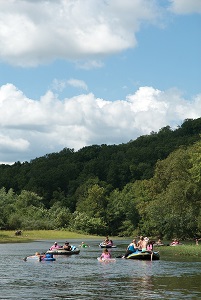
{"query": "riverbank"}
(7, 236)
(182, 250)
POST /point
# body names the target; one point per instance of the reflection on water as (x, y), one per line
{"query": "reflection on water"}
(83, 277)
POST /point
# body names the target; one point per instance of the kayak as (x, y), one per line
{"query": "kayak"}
(144, 255)
(63, 252)
(106, 259)
(102, 245)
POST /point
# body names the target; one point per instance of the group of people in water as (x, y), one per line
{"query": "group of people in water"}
(107, 242)
(66, 246)
(143, 244)
(55, 246)
(175, 242)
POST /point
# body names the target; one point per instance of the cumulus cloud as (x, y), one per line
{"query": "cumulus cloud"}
(78, 84)
(185, 6)
(34, 32)
(13, 145)
(89, 64)
(32, 128)
(60, 85)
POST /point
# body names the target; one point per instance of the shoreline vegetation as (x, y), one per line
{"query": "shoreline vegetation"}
(8, 236)
(187, 249)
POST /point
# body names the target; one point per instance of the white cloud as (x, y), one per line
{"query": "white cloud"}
(34, 32)
(185, 6)
(32, 128)
(78, 84)
(89, 64)
(13, 145)
(60, 85)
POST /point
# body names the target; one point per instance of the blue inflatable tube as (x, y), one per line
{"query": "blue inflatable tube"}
(48, 257)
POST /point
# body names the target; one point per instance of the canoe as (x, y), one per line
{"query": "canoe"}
(107, 246)
(144, 255)
(106, 259)
(63, 252)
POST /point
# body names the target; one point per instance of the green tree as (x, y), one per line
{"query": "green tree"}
(174, 206)
(7, 204)
(94, 204)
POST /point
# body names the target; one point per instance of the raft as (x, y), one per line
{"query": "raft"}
(144, 255)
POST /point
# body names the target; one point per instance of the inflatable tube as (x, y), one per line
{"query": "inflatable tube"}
(107, 246)
(32, 258)
(106, 259)
(47, 257)
(144, 255)
(63, 252)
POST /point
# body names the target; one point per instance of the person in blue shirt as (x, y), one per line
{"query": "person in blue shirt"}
(132, 247)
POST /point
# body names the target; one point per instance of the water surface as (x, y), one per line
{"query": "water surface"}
(83, 277)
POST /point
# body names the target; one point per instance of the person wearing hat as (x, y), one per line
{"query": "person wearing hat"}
(55, 246)
(67, 246)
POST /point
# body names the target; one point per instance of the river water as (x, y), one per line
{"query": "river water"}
(83, 277)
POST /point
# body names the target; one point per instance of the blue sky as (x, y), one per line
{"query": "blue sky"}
(81, 72)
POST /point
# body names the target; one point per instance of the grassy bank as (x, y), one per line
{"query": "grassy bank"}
(32, 235)
(183, 250)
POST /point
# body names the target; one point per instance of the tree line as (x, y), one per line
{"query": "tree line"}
(149, 186)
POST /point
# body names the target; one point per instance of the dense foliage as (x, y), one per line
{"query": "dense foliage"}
(149, 186)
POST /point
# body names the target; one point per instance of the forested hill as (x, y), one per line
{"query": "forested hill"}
(150, 186)
(115, 165)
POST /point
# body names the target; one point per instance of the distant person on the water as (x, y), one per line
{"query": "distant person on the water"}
(110, 243)
(159, 242)
(175, 242)
(55, 246)
(150, 246)
(197, 241)
(106, 241)
(106, 254)
(39, 255)
(67, 246)
(142, 244)
(84, 245)
(132, 247)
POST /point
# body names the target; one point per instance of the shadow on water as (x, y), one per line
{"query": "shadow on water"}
(83, 277)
